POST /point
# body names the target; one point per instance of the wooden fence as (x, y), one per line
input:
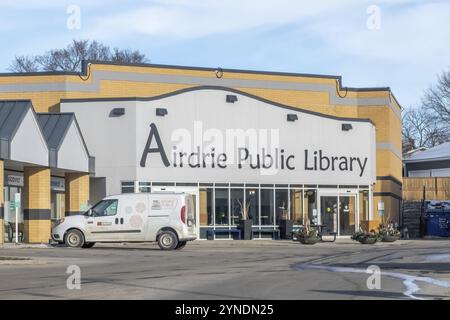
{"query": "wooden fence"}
(435, 188)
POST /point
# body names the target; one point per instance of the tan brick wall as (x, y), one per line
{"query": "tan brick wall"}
(77, 191)
(2, 227)
(36, 196)
(37, 231)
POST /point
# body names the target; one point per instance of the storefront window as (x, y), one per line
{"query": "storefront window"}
(206, 205)
(267, 207)
(127, 187)
(282, 203)
(237, 205)
(311, 206)
(252, 203)
(221, 206)
(57, 205)
(363, 205)
(144, 187)
(296, 206)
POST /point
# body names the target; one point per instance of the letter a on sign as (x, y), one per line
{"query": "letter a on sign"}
(159, 149)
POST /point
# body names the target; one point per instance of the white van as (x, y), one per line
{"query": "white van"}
(165, 217)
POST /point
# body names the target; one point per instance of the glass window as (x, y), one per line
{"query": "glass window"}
(127, 187)
(252, 203)
(206, 206)
(363, 205)
(282, 203)
(221, 206)
(296, 206)
(267, 207)
(238, 208)
(105, 208)
(311, 206)
(57, 205)
(144, 187)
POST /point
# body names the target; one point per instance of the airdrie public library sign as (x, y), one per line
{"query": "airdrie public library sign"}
(250, 141)
(269, 160)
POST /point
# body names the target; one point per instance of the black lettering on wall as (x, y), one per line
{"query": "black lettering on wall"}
(160, 149)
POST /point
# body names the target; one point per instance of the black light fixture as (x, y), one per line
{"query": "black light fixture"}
(117, 112)
(292, 117)
(347, 127)
(161, 112)
(231, 98)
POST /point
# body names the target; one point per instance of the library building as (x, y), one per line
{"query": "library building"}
(269, 147)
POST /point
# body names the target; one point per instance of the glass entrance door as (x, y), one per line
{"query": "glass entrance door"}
(328, 213)
(339, 213)
(347, 215)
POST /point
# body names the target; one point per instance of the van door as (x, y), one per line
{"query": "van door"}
(133, 218)
(103, 223)
(162, 207)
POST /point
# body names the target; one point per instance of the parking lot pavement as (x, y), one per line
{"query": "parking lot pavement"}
(415, 269)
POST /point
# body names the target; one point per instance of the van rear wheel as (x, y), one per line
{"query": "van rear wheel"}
(167, 240)
(181, 245)
(74, 239)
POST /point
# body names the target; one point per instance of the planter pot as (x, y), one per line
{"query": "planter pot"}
(246, 229)
(286, 228)
(390, 238)
(368, 240)
(308, 240)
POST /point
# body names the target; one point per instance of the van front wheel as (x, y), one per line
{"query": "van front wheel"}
(167, 240)
(74, 239)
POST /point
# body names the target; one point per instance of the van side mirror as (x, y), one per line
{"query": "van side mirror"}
(89, 213)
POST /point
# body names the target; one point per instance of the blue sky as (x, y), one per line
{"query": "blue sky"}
(405, 46)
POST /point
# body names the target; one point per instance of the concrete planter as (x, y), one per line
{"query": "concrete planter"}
(286, 228)
(246, 229)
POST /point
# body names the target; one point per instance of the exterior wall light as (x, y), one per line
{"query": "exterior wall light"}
(117, 112)
(161, 112)
(292, 117)
(347, 127)
(231, 98)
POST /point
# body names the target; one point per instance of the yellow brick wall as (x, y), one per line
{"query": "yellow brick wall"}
(36, 188)
(37, 231)
(2, 232)
(36, 196)
(77, 191)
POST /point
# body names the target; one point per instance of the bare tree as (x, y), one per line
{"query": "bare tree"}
(421, 128)
(70, 58)
(437, 98)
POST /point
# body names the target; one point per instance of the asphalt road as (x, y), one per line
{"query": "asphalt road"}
(230, 270)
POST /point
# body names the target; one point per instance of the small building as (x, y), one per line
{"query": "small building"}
(433, 162)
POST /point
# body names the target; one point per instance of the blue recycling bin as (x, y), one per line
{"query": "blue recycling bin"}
(437, 223)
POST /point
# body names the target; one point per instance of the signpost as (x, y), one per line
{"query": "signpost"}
(17, 206)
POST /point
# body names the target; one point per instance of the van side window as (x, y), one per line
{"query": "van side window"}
(105, 208)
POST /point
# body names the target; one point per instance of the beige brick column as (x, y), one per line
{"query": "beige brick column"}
(2, 209)
(36, 204)
(77, 193)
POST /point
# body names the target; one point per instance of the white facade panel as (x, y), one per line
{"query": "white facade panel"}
(312, 150)
(28, 144)
(72, 154)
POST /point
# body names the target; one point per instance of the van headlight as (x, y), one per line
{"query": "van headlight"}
(58, 222)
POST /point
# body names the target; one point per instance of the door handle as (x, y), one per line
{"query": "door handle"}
(117, 221)
(121, 220)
